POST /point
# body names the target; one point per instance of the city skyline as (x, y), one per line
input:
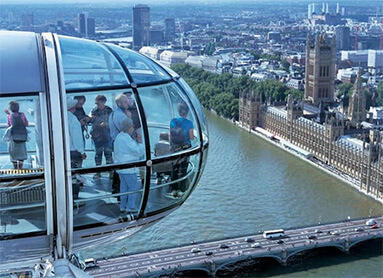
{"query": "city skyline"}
(153, 2)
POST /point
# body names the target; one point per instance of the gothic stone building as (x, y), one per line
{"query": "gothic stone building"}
(364, 161)
(320, 70)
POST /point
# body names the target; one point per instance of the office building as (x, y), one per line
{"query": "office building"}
(375, 61)
(81, 28)
(141, 26)
(86, 26)
(170, 29)
(342, 34)
(90, 27)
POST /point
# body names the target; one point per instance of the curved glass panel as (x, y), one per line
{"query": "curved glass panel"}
(141, 68)
(172, 181)
(170, 119)
(22, 207)
(20, 60)
(198, 108)
(87, 64)
(22, 200)
(105, 129)
(22, 150)
(109, 197)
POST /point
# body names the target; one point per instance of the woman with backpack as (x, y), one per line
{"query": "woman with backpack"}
(16, 135)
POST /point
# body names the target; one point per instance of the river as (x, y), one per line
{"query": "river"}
(251, 185)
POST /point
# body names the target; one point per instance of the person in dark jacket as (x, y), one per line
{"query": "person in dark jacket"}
(100, 132)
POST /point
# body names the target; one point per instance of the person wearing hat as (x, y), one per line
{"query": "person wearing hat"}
(128, 148)
(77, 147)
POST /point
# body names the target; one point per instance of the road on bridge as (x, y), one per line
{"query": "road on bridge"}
(193, 255)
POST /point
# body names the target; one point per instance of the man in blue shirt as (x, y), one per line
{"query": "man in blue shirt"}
(181, 134)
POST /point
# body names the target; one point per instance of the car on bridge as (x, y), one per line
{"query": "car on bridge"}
(311, 236)
(223, 246)
(371, 222)
(196, 250)
(255, 245)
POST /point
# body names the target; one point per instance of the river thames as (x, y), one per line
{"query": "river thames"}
(250, 185)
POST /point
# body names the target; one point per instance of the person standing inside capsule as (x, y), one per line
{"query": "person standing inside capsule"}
(77, 147)
(16, 135)
(81, 116)
(118, 115)
(99, 118)
(181, 134)
(128, 147)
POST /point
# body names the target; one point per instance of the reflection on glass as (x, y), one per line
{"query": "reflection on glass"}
(22, 207)
(20, 131)
(171, 181)
(162, 105)
(109, 198)
(141, 68)
(88, 64)
(194, 100)
(115, 137)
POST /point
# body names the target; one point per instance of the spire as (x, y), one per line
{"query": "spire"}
(333, 41)
(290, 104)
(358, 83)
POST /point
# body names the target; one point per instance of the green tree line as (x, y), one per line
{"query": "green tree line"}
(371, 99)
(220, 92)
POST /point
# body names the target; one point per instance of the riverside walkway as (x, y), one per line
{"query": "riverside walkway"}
(210, 257)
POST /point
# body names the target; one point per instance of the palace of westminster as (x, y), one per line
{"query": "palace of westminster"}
(338, 135)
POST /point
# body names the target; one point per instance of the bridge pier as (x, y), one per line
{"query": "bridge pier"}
(213, 268)
(284, 257)
(347, 246)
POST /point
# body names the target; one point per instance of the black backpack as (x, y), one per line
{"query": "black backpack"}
(177, 135)
(18, 130)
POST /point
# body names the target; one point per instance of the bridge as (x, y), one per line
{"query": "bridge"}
(210, 257)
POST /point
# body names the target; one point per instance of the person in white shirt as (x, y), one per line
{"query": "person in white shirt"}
(128, 147)
(77, 148)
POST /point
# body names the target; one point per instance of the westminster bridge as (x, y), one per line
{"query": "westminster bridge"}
(211, 257)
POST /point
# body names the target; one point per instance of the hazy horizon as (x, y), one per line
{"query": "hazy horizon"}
(155, 2)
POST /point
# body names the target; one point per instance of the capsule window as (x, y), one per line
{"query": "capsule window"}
(22, 186)
(105, 130)
(88, 64)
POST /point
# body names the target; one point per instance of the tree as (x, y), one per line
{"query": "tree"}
(285, 65)
(295, 93)
(345, 88)
(379, 94)
(210, 48)
(368, 95)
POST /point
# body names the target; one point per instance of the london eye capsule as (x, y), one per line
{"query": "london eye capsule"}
(98, 143)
